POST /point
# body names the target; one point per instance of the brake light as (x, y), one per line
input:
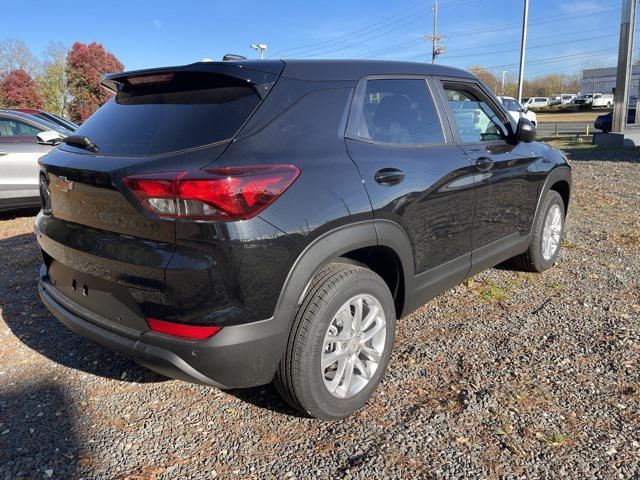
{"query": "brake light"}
(225, 194)
(145, 79)
(189, 332)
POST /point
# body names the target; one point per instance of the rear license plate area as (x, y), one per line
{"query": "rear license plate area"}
(105, 298)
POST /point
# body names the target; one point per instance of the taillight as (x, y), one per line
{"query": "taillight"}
(231, 193)
(188, 332)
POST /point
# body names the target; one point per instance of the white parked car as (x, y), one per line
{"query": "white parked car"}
(595, 99)
(24, 139)
(536, 102)
(517, 111)
(567, 98)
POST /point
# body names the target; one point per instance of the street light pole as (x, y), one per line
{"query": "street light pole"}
(523, 47)
(260, 47)
(504, 72)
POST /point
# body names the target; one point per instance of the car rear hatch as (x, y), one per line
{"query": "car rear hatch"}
(101, 249)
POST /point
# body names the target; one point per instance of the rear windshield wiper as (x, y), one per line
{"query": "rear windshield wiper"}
(80, 141)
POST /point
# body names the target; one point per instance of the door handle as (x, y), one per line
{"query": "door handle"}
(389, 176)
(4, 153)
(484, 163)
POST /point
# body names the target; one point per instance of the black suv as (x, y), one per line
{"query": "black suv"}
(237, 223)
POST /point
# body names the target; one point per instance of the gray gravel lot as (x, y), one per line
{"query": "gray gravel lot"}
(510, 375)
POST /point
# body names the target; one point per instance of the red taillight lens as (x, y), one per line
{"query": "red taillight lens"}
(189, 332)
(233, 193)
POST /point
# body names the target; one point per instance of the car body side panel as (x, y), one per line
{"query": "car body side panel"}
(249, 261)
(19, 167)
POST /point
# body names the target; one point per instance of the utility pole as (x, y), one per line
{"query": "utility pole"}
(504, 72)
(625, 57)
(434, 38)
(523, 47)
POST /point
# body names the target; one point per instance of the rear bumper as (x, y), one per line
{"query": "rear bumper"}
(237, 357)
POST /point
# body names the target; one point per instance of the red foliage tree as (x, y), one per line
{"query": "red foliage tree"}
(18, 90)
(86, 64)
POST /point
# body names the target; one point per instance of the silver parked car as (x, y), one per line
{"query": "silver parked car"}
(23, 140)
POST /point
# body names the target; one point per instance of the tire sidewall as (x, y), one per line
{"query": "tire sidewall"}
(365, 282)
(552, 198)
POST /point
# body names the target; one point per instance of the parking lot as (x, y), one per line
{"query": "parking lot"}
(508, 375)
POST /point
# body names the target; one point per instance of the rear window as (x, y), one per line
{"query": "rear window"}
(191, 109)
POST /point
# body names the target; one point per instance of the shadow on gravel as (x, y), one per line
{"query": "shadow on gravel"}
(25, 212)
(606, 154)
(266, 397)
(33, 325)
(37, 434)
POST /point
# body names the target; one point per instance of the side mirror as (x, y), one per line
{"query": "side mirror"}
(49, 137)
(525, 132)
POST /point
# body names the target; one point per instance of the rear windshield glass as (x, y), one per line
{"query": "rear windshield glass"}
(190, 110)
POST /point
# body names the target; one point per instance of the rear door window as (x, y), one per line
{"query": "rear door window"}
(397, 112)
(189, 110)
(15, 128)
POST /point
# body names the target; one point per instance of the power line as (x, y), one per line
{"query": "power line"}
(395, 21)
(535, 22)
(535, 46)
(370, 36)
(346, 36)
(538, 21)
(556, 59)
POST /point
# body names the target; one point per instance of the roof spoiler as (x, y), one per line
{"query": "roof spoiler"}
(259, 73)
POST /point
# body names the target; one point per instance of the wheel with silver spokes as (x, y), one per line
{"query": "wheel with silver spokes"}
(340, 342)
(546, 235)
(353, 346)
(551, 232)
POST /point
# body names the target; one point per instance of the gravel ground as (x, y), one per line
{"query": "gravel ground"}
(510, 375)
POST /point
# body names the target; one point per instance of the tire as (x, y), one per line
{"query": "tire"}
(536, 259)
(300, 379)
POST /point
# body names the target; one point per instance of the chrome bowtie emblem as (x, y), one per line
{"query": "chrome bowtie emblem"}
(66, 185)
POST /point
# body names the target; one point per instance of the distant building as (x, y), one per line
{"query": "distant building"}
(603, 80)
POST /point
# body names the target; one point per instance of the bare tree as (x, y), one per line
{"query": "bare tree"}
(15, 55)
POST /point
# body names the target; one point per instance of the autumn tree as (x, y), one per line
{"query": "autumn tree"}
(52, 83)
(18, 90)
(486, 76)
(86, 64)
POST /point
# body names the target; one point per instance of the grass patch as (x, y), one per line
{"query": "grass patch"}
(569, 245)
(556, 440)
(631, 237)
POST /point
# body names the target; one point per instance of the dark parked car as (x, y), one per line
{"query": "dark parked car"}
(605, 122)
(240, 222)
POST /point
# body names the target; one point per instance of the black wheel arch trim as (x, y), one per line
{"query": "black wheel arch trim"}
(558, 174)
(340, 241)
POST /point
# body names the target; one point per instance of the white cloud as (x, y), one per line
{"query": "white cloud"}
(581, 6)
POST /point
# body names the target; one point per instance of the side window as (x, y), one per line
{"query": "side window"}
(15, 128)
(475, 120)
(398, 112)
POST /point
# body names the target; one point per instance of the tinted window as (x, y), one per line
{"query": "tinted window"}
(190, 110)
(14, 128)
(475, 119)
(399, 112)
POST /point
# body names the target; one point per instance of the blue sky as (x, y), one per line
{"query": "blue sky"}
(565, 35)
